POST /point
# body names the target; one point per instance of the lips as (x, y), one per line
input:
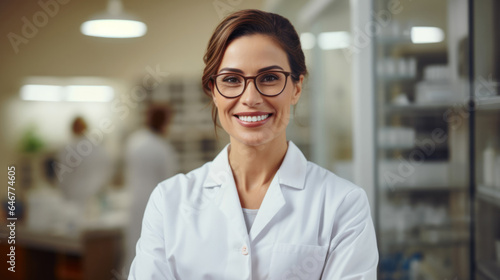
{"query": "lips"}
(252, 119)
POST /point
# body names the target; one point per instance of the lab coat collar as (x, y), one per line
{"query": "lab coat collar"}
(292, 171)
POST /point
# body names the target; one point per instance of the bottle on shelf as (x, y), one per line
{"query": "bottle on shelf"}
(489, 165)
(415, 267)
(497, 172)
(497, 246)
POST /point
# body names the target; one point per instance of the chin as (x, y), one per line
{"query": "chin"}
(252, 140)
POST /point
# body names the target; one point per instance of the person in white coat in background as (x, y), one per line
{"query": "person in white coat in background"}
(149, 159)
(88, 171)
(259, 210)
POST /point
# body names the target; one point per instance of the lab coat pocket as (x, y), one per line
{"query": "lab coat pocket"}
(296, 261)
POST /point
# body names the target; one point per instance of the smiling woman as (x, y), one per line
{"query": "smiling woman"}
(259, 210)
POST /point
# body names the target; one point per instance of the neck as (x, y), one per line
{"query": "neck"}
(255, 166)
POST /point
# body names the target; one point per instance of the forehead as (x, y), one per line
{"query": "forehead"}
(252, 52)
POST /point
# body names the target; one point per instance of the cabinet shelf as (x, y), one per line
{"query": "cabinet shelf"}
(430, 244)
(392, 40)
(489, 195)
(396, 148)
(426, 189)
(406, 148)
(417, 109)
(397, 78)
(489, 269)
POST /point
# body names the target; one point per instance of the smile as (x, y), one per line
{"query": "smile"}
(253, 118)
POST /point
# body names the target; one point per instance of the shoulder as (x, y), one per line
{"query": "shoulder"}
(136, 137)
(333, 188)
(324, 178)
(181, 186)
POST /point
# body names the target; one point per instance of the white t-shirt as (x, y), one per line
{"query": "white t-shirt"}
(249, 215)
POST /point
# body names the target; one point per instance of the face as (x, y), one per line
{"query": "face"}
(249, 56)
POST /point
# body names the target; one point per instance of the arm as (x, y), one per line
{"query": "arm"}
(150, 261)
(353, 250)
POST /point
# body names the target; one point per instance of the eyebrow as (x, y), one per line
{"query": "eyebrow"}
(236, 70)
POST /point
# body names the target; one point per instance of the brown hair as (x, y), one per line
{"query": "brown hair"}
(249, 22)
(79, 125)
(158, 117)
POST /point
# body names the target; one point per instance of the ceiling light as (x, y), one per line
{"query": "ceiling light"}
(86, 93)
(59, 90)
(42, 93)
(334, 40)
(426, 34)
(114, 23)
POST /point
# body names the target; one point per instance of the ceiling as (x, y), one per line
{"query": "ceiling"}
(178, 32)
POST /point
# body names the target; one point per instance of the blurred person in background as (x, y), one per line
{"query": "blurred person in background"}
(259, 210)
(88, 169)
(149, 159)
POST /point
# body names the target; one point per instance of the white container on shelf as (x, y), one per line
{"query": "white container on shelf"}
(412, 67)
(497, 243)
(437, 87)
(497, 172)
(489, 165)
(402, 67)
(407, 174)
(396, 137)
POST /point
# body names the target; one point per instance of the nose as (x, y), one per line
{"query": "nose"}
(251, 96)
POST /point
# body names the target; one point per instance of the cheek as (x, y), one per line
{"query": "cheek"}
(223, 106)
(283, 112)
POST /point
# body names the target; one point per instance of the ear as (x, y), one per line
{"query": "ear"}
(297, 90)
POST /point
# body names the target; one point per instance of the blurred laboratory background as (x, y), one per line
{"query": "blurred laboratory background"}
(101, 100)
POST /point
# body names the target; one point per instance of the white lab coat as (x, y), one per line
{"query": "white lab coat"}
(311, 224)
(149, 159)
(90, 171)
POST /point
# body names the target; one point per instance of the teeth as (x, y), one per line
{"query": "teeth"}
(253, 118)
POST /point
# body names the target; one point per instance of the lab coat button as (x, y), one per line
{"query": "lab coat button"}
(244, 250)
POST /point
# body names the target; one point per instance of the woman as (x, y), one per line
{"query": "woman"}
(259, 210)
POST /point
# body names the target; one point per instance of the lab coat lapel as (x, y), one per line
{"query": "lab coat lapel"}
(231, 207)
(291, 174)
(272, 203)
(227, 199)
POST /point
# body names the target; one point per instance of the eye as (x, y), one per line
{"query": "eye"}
(231, 79)
(269, 78)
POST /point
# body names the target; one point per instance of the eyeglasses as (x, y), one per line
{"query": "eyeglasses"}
(232, 85)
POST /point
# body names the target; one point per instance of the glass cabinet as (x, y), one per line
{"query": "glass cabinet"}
(410, 111)
(486, 74)
(422, 140)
